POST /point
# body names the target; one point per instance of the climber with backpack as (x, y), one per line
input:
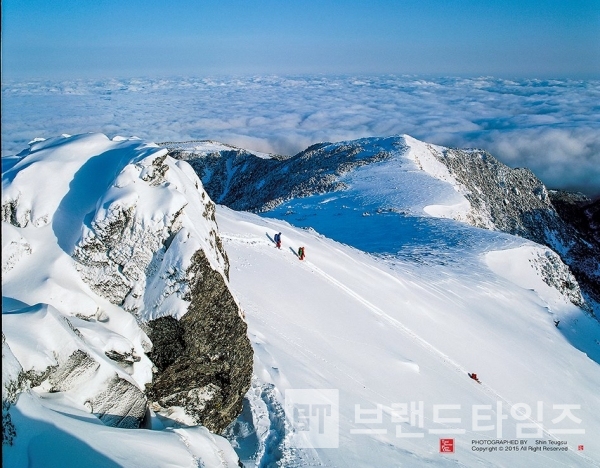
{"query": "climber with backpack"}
(474, 377)
(277, 239)
(301, 253)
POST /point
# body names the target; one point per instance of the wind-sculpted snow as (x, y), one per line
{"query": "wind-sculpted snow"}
(56, 357)
(103, 239)
(540, 269)
(13, 248)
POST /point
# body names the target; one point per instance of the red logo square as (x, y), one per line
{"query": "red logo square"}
(580, 447)
(446, 445)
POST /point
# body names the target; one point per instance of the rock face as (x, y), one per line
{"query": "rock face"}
(134, 305)
(517, 202)
(206, 359)
(158, 270)
(578, 211)
(12, 385)
(63, 360)
(558, 276)
(242, 181)
(499, 198)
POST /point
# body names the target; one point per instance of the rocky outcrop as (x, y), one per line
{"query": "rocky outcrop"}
(171, 273)
(557, 275)
(204, 359)
(577, 210)
(121, 404)
(243, 181)
(12, 386)
(138, 228)
(71, 366)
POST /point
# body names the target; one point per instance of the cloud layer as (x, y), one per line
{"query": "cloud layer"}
(552, 127)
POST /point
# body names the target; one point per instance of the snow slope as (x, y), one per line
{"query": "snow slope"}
(387, 331)
(396, 181)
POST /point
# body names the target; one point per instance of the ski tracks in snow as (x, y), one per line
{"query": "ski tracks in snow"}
(449, 362)
(438, 354)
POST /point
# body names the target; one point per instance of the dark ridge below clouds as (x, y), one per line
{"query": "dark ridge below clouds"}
(549, 126)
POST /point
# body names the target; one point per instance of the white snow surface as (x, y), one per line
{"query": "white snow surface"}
(64, 190)
(387, 331)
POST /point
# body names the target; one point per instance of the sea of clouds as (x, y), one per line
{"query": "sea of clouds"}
(550, 126)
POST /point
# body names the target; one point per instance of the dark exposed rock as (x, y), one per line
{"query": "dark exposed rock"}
(125, 360)
(166, 334)
(12, 384)
(242, 181)
(8, 428)
(9, 214)
(205, 359)
(579, 211)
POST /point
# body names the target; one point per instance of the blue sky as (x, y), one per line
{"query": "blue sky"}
(508, 38)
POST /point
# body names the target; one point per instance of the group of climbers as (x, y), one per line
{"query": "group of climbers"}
(277, 240)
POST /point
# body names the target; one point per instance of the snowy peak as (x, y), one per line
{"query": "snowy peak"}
(117, 207)
(115, 286)
(62, 155)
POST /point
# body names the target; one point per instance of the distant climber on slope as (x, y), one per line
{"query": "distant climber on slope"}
(474, 377)
(301, 253)
(277, 239)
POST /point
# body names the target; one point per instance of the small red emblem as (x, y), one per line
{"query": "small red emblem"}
(446, 445)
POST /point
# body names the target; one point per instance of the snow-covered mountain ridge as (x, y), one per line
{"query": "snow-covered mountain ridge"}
(115, 292)
(120, 249)
(373, 171)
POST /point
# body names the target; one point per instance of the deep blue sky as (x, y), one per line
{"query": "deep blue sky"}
(507, 38)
